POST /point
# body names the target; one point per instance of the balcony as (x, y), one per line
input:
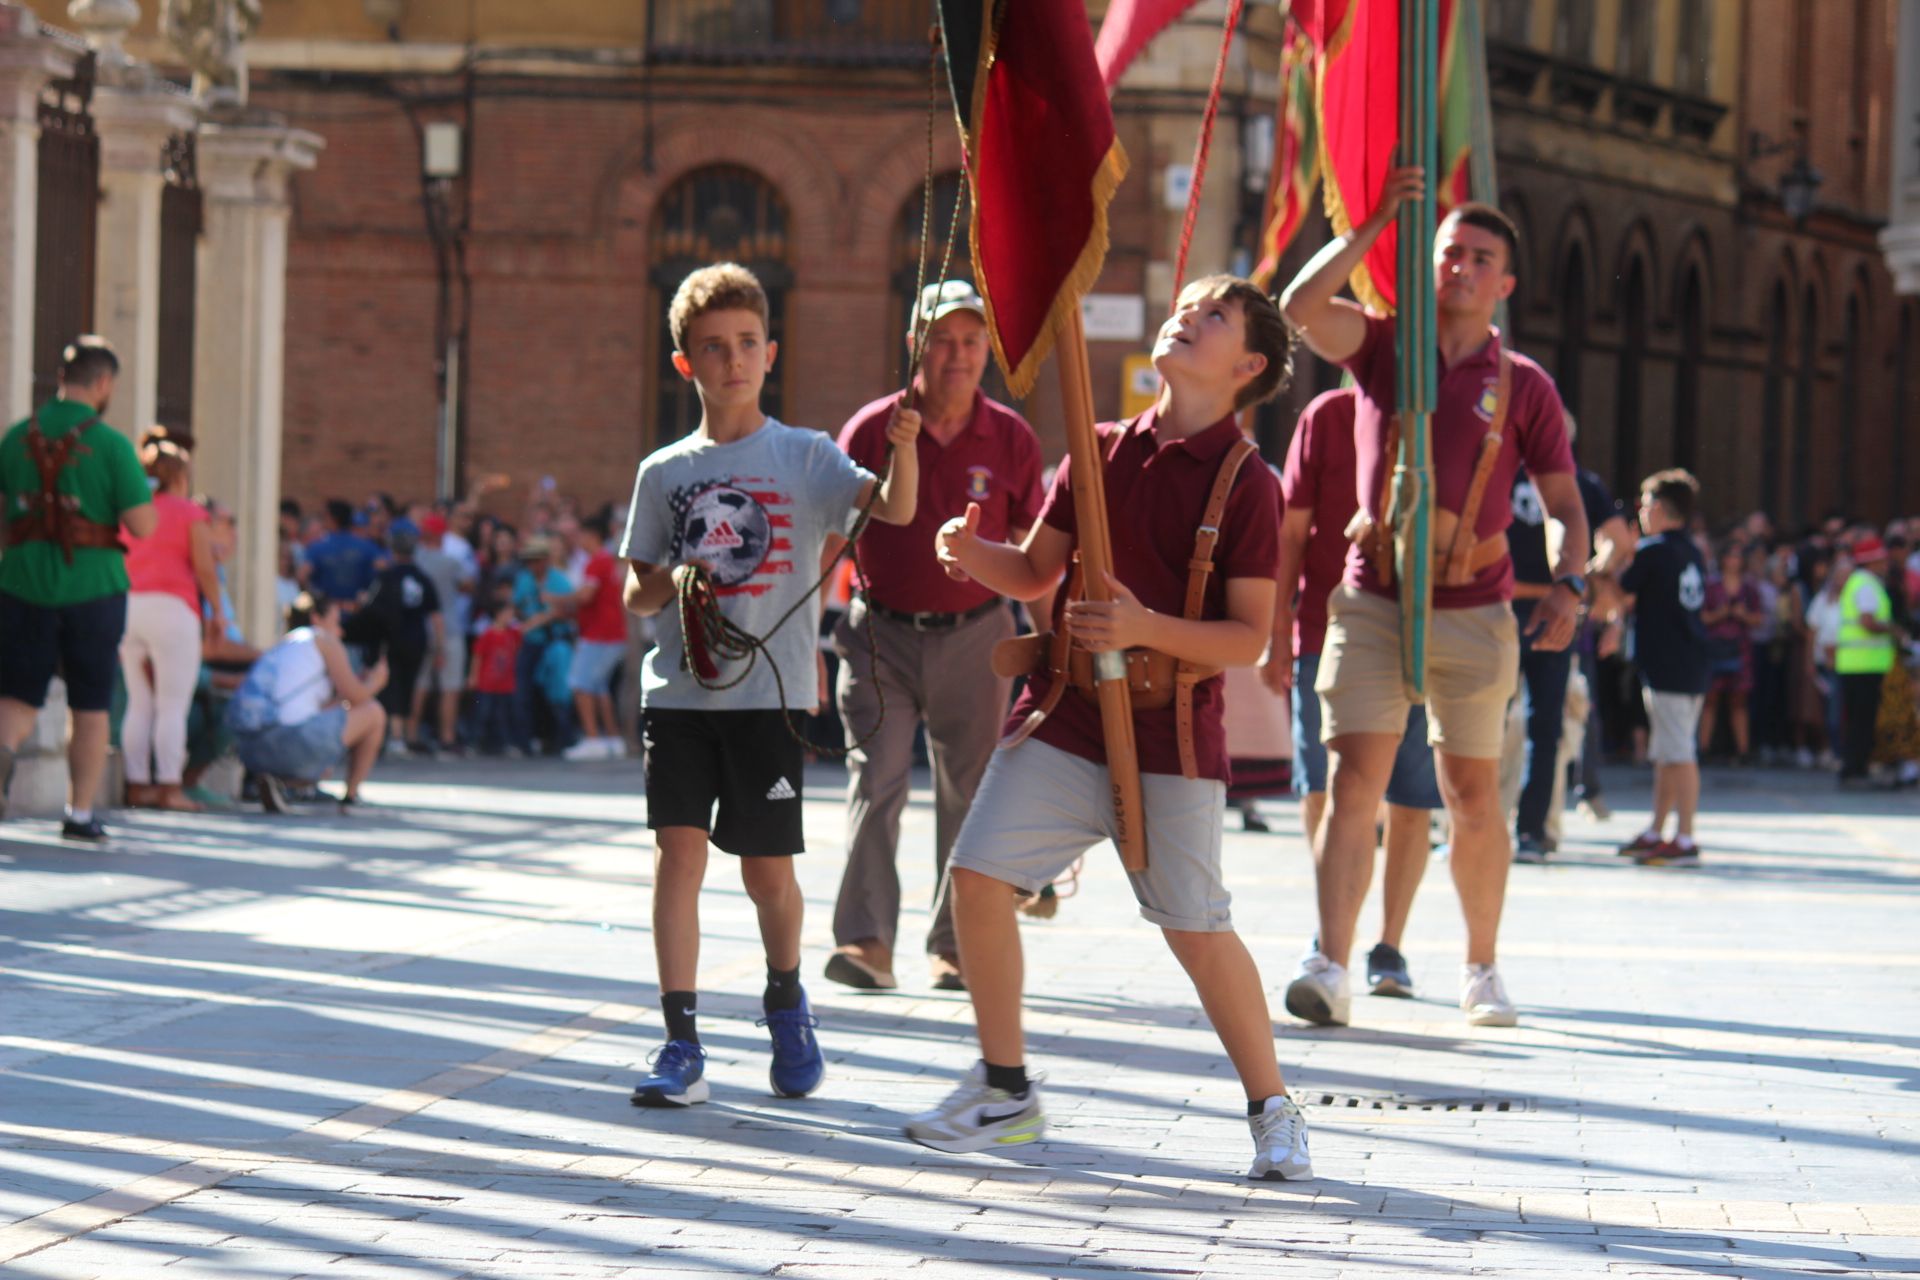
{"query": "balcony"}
(837, 33)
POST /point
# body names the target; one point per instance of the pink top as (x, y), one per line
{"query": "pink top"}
(164, 562)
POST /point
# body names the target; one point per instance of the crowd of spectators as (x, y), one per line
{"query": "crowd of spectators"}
(1773, 615)
(499, 636)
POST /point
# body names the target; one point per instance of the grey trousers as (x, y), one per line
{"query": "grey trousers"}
(944, 678)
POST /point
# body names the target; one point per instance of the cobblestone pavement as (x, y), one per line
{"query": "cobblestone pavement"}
(400, 1045)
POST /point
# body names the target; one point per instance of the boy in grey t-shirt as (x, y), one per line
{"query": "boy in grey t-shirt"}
(754, 501)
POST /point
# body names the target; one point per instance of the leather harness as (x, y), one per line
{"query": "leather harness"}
(1457, 557)
(1153, 678)
(53, 516)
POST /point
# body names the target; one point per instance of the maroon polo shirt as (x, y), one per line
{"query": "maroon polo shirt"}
(1319, 477)
(1156, 495)
(1535, 433)
(994, 461)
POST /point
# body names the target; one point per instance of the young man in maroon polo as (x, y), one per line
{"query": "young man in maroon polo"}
(934, 634)
(1318, 485)
(1473, 642)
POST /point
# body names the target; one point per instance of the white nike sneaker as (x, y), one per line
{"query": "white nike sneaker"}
(1484, 997)
(1280, 1142)
(977, 1116)
(1320, 993)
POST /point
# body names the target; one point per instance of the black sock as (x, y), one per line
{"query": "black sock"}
(783, 989)
(678, 1006)
(1011, 1080)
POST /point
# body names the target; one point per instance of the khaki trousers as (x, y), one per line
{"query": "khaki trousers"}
(944, 679)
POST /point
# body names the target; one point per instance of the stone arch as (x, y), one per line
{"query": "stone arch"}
(1633, 306)
(641, 172)
(1639, 243)
(1514, 204)
(899, 168)
(1574, 235)
(1695, 258)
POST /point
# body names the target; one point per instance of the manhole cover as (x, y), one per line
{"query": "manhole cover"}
(1401, 1102)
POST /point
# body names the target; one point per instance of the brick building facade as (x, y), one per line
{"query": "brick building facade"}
(1689, 314)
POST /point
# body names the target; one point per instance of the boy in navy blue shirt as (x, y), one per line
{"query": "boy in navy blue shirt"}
(1667, 583)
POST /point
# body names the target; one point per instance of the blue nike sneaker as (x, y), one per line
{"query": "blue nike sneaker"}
(797, 1064)
(678, 1078)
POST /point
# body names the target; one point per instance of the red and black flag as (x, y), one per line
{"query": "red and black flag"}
(1043, 162)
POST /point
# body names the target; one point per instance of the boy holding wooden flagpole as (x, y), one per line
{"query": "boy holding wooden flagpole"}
(1192, 592)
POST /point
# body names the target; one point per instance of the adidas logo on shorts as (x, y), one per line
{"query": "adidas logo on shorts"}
(781, 790)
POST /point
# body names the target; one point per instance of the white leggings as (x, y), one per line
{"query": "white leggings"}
(162, 629)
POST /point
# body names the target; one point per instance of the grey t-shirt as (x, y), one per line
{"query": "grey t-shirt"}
(758, 511)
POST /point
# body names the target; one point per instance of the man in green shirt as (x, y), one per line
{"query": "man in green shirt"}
(68, 482)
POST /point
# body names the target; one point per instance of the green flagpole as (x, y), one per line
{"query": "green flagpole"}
(1482, 168)
(1415, 337)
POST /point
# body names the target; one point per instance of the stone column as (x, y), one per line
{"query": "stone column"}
(28, 59)
(134, 123)
(240, 340)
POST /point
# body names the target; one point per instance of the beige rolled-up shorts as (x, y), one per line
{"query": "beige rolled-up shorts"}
(1473, 667)
(1039, 808)
(1674, 719)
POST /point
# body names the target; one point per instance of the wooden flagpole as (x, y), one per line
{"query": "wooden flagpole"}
(1088, 474)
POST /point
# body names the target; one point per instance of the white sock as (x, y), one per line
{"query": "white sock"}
(79, 815)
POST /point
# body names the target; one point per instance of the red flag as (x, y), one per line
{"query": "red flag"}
(1043, 161)
(1359, 113)
(1131, 25)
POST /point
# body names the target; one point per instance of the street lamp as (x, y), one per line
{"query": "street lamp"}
(1799, 186)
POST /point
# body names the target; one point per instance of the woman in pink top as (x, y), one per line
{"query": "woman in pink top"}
(160, 652)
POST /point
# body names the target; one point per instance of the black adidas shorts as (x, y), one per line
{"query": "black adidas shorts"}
(744, 762)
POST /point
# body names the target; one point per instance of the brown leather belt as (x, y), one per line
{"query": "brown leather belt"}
(925, 621)
(83, 534)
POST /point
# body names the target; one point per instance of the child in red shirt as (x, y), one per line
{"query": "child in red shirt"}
(495, 651)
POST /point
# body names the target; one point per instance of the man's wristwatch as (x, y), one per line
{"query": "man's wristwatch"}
(1574, 583)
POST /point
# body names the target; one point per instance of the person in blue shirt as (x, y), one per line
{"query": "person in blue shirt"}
(341, 566)
(540, 593)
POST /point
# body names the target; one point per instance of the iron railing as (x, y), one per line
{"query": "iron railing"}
(848, 33)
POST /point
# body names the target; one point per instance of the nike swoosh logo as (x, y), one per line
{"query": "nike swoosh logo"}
(990, 1117)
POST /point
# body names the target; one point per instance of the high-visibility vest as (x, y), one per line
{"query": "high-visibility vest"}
(1862, 652)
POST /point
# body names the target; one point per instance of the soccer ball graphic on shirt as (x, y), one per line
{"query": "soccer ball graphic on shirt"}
(729, 530)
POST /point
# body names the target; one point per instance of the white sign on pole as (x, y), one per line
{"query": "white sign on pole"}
(1113, 317)
(1179, 185)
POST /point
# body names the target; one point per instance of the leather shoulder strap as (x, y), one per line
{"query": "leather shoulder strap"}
(1207, 537)
(1466, 533)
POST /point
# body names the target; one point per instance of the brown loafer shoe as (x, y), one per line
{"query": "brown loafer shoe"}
(946, 973)
(849, 966)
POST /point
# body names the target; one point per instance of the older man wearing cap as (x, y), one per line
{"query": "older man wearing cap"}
(934, 634)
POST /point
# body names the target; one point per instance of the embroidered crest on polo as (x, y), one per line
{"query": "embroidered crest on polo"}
(1489, 402)
(781, 790)
(979, 482)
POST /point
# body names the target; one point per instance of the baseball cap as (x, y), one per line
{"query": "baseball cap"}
(403, 540)
(1868, 549)
(945, 298)
(433, 525)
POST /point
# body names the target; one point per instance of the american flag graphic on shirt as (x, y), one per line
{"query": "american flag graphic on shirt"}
(741, 528)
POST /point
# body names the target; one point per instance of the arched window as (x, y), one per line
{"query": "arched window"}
(1633, 361)
(718, 214)
(1798, 488)
(1773, 402)
(1693, 49)
(1573, 30)
(1686, 379)
(1849, 422)
(1573, 331)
